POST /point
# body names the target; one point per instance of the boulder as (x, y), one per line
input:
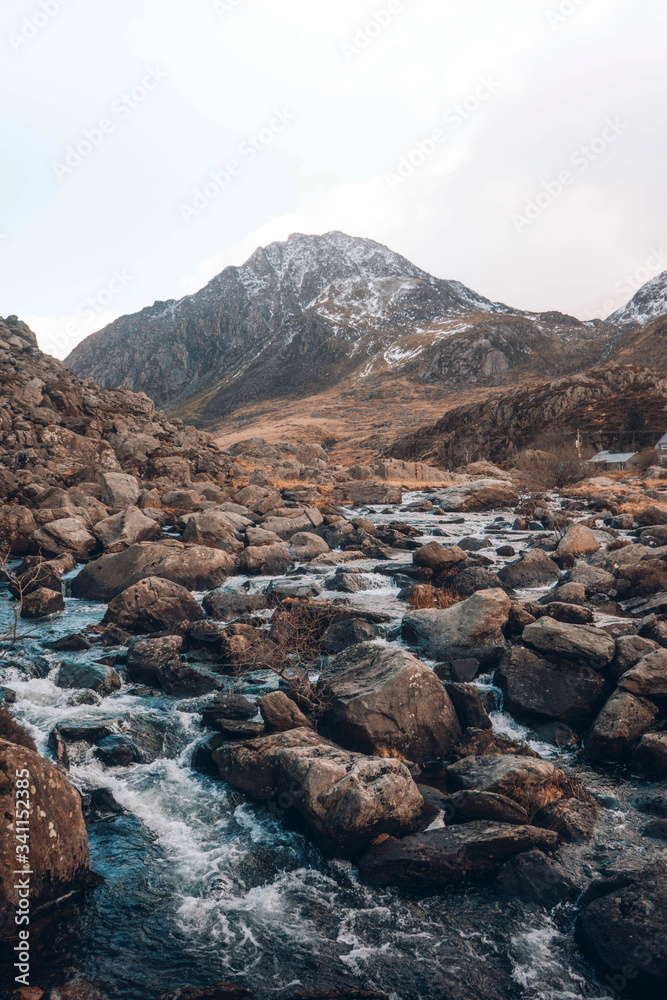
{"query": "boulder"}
(593, 579)
(535, 569)
(68, 534)
(383, 700)
(471, 805)
(341, 635)
(120, 490)
(124, 529)
(42, 602)
(572, 819)
(281, 714)
(344, 798)
(537, 688)
(153, 605)
(578, 541)
(471, 629)
(117, 750)
(650, 756)
(438, 558)
(17, 526)
(536, 879)
(648, 677)
(621, 928)
(373, 493)
(195, 567)
(59, 859)
(468, 706)
(178, 500)
(481, 494)
(93, 676)
(619, 727)
(266, 560)
(145, 657)
(447, 857)
(223, 606)
(582, 643)
(214, 529)
(304, 546)
(630, 649)
(531, 782)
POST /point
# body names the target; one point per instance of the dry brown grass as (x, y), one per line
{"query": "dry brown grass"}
(425, 596)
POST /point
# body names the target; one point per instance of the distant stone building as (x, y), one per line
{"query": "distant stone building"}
(616, 461)
(661, 448)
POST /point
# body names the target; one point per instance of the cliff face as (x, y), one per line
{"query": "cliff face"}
(595, 402)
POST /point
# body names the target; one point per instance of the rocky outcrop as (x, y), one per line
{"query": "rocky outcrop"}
(152, 605)
(580, 643)
(537, 688)
(619, 727)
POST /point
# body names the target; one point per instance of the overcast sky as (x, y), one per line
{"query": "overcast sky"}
(515, 145)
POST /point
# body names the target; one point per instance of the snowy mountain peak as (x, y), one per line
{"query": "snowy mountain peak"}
(647, 304)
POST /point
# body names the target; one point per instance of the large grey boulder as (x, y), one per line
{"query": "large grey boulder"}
(344, 798)
(450, 856)
(94, 676)
(68, 534)
(578, 541)
(153, 605)
(535, 569)
(582, 643)
(266, 560)
(480, 494)
(530, 781)
(121, 530)
(619, 727)
(215, 529)
(648, 677)
(195, 567)
(381, 699)
(536, 688)
(119, 489)
(473, 628)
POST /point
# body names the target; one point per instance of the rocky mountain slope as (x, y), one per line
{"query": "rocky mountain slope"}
(321, 312)
(596, 403)
(646, 305)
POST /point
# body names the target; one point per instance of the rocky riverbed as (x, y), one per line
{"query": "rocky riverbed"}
(297, 775)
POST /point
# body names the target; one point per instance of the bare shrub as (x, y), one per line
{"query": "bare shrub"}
(426, 596)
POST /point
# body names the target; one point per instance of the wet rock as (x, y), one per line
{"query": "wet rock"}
(471, 805)
(341, 635)
(117, 751)
(444, 858)
(95, 676)
(573, 819)
(17, 527)
(619, 727)
(384, 700)
(348, 583)
(119, 489)
(534, 569)
(656, 829)
(570, 614)
(124, 529)
(536, 879)
(146, 657)
(468, 706)
(42, 602)
(194, 567)
(266, 560)
(481, 494)
(59, 859)
(35, 572)
(281, 714)
(344, 798)
(480, 742)
(69, 534)
(152, 605)
(650, 756)
(621, 928)
(178, 678)
(471, 629)
(537, 688)
(460, 671)
(75, 643)
(578, 541)
(373, 493)
(223, 606)
(531, 782)
(581, 643)
(593, 579)
(648, 677)
(438, 558)
(221, 991)
(227, 706)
